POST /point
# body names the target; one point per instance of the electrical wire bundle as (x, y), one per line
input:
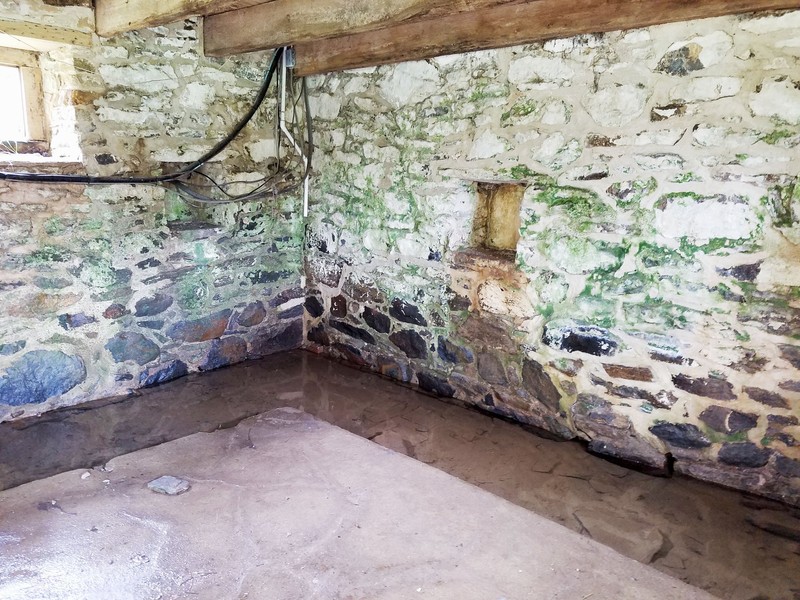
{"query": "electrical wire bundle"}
(285, 173)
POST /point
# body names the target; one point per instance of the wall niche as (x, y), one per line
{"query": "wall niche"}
(496, 222)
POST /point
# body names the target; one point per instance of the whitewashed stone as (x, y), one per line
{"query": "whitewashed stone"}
(791, 44)
(411, 246)
(779, 63)
(261, 150)
(637, 36)
(771, 23)
(486, 145)
(713, 47)
(141, 77)
(409, 83)
(556, 152)
(539, 69)
(560, 45)
(555, 112)
(706, 89)
(325, 106)
(778, 98)
(617, 106)
(659, 162)
(197, 96)
(576, 255)
(705, 220)
(716, 137)
(130, 117)
(356, 85)
(660, 137)
(500, 298)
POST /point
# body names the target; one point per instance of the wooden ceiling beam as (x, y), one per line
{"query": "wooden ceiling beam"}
(288, 22)
(115, 16)
(508, 25)
(27, 35)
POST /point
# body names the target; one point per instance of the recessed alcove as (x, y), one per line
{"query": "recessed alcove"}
(496, 221)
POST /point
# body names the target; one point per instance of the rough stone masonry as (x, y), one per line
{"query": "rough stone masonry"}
(652, 305)
(105, 290)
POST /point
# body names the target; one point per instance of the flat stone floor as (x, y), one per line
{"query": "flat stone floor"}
(731, 544)
(287, 507)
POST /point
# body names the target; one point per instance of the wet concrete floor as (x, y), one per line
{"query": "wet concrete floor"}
(287, 507)
(731, 544)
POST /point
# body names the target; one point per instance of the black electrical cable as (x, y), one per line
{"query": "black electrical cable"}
(187, 170)
(258, 193)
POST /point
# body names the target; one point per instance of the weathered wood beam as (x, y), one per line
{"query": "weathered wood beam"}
(532, 21)
(115, 16)
(287, 22)
(26, 35)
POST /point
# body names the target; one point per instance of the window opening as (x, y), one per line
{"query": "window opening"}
(23, 122)
(13, 121)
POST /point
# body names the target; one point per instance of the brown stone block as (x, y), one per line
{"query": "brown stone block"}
(625, 372)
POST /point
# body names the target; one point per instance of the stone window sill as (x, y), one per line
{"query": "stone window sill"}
(36, 163)
(479, 259)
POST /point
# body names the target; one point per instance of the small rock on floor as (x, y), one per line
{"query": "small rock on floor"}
(169, 485)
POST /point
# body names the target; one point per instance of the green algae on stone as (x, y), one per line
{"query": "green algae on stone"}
(657, 311)
(175, 208)
(595, 309)
(630, 193)
(582, 207)
(783, 204)
(776, 135)
(48, 254)
(520, 109)
(578, 255)
(718, 246)
(652, 255)
(53, 226)
(98, 272)
(688, 177)
(522, 172)
(634, 282)
(93, 225)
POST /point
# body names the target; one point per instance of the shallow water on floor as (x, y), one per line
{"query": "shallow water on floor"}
(734, 545)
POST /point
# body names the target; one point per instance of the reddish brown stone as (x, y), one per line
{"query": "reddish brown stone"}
(318, 335)
(767, 397)
(776, 426)
(201, 330)
(224, 352)
(410, 342)
(728, 421)
(389, 367)
(491, 369)
(115, 311)
(625, 372)
(744, 454)
(349, 353)
(539, 384)
(252, 314)
(339, 306)
(710, 387)
(377, 320)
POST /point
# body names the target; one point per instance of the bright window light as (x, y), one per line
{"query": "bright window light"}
(12, 105)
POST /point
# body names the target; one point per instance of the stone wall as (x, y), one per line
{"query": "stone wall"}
(112, 288)
(652, 306)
